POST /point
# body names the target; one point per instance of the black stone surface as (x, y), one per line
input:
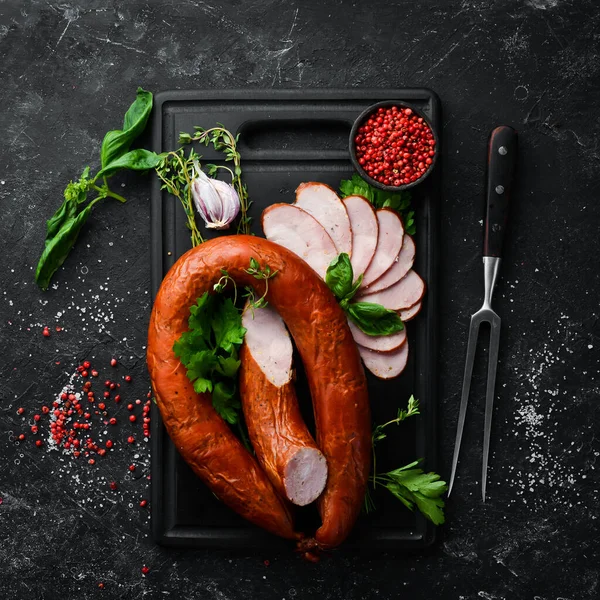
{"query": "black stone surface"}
(68, 71)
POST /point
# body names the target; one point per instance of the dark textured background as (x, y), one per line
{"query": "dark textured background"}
(68, 71)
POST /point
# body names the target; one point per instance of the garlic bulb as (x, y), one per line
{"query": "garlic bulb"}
(216, 201)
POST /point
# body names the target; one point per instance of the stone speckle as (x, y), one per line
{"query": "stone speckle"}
(68, 71)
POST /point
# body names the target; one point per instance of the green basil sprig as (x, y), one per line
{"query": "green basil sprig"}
(372, 319)
(63, 228)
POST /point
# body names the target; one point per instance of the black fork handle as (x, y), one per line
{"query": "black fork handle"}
(502, 159)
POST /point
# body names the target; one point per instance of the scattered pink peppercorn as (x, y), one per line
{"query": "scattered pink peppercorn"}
(145, 570)
(113, 421)
(22, 437)
(39, 443)
(46, 332)
(144, 503)
(132, 418)
(113, 362)
(20, 410)
(87, 364)
(130, 440)
(113, 485)
(94, 373)
(127, 378)
(132, 468)
(109, 444)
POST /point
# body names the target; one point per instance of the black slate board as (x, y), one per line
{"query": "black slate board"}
(288, 137)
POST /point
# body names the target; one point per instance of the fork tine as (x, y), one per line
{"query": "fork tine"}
(489, 398)
(471, 347)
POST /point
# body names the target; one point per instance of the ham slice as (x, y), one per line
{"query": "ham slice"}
(401, 266)
(284, 447)
(389, 243)
(411, 312)
(320, 201)
(295, 229)
(381, 343)
(385, 365)
(365, 228)
(403, 294)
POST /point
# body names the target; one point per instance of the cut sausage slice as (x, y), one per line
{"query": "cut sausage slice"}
(320, 201)
(295, 229)
(401, 266)
(283, 445)
(381, 343)
(389, 243)
(411, 312)
(365, 228)
(403, 294)
(385, 365)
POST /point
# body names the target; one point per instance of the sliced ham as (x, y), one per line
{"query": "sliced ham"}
(410, 313)
(295, 229)
(320, 201)
(403, 294)
(283, 445)
(381, 343)
(401, 266)
(385, 365)
(365, 228)
(389, 243)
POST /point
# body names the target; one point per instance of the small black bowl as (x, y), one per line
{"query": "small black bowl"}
(362, 118)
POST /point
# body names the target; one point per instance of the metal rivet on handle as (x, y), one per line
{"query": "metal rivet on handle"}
(499, 189)
(502, 150)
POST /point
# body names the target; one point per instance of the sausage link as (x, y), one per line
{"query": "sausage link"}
(283, 445)
(335, 375)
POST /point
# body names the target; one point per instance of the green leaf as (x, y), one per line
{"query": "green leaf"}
(228, 366)
(355, 287)
(201, 314)
(339, 276)
(416, 487)
(202, 385)
(225, 401)
(227, 325)
(202, 364)
(189, 343)
(66, 211)
(431, 508)
(117, 142)
(135, 160)
(57, 247)
(374, 319)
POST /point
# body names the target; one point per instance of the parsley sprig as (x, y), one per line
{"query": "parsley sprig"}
(209, 351)
(411, 485)
(398, 201)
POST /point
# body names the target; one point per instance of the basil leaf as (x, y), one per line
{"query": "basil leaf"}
(355, 287)
(117, 142)
(135, 160)
(339, 276)
(374, 319)
(66, 211)
(58, 246)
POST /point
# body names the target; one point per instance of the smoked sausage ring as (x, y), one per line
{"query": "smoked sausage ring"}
(332, 363)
